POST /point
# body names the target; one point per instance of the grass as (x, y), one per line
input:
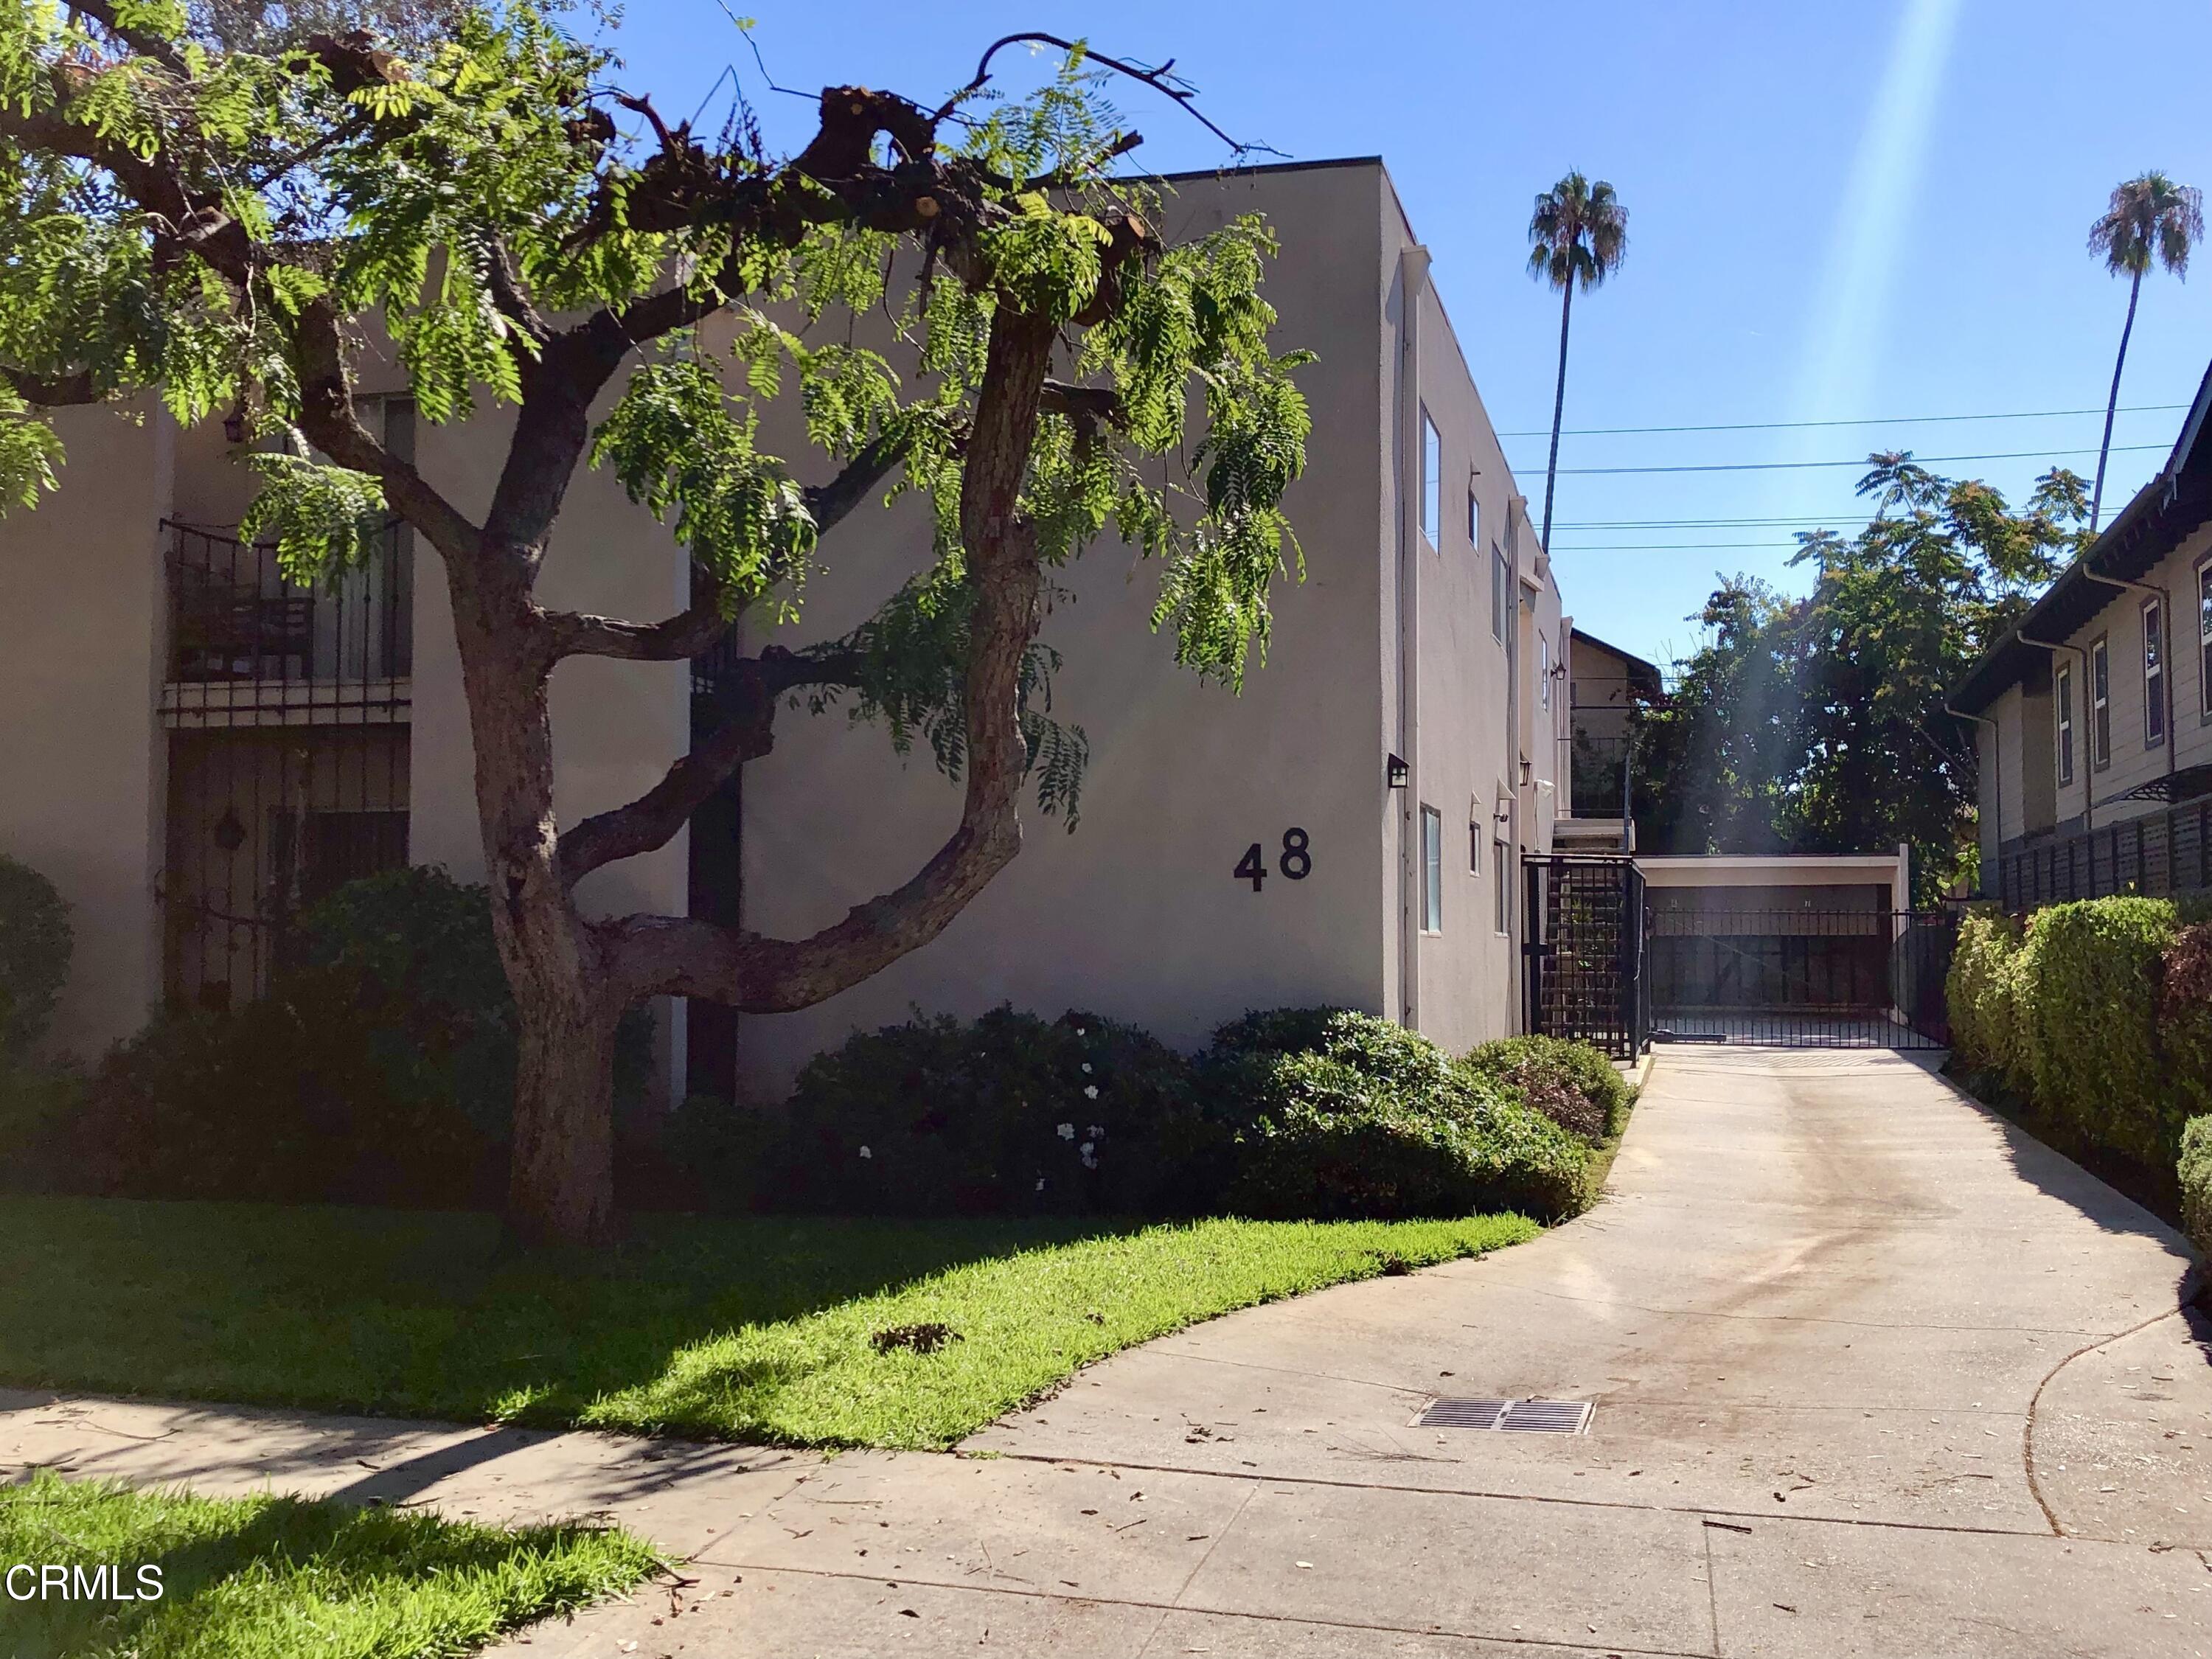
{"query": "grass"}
(269, 1578)
(750, 1329)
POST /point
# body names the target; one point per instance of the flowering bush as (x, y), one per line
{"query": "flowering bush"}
(1008, 1114)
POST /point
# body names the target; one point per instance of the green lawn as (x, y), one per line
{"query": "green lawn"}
(751, 1329)
(268, 1578)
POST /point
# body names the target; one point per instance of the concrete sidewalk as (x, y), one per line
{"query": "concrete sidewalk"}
(1874, 1375)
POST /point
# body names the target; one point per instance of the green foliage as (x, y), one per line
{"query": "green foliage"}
(267, 1577)
(1818, 726)
(1571, 1082)
(2196, 1172)
(35, 946)
(319, 516)
(1004, 1115)
(2099, 1017)
(1373, 1120)
(380, 1068)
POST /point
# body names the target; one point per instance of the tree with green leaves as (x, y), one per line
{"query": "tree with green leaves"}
(2149, 218)
(1578, 235)
(1818, 725)
(222, 227)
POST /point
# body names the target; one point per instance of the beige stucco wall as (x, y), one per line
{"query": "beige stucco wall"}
(80, 758)
(1136, 914)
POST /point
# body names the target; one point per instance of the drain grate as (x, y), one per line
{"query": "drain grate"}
(1509, 1416)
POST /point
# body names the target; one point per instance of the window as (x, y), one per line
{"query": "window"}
(2100, 705)
(1501, 586)
(1432, 482)
(2204, 637)
(1502, 862)
(1474, 827)
(2062, 701)
(1432, 871)
(1543, 670)
(1474, 519)
(2154, 641)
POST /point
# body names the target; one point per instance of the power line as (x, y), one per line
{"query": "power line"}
(1856, 512)
(1674, 547)
(1799, 466)
(1794, 426)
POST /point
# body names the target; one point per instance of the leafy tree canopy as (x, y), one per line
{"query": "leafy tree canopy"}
(1817, 725)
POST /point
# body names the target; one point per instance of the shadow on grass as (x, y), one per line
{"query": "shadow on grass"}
(253, 1576)
(419, 1314)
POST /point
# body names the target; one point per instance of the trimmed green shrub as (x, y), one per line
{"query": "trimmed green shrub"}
(2196, 1173)
(1006, 1115)
(1373, 1120)
(2185, 1013)
(1571, 1082)
(1986, 943)
(379, 1069)
(2094, 976)
(35, 945)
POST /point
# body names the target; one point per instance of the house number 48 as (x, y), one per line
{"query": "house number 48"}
(1296, 861)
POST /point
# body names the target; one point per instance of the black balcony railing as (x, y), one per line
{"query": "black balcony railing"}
(234, 616)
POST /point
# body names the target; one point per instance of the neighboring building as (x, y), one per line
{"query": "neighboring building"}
(194, 749)
(1608, 688)
(2095, 716)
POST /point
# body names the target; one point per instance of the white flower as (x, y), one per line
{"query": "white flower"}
(1079, 1032)
(1065, 1131)
(1089, 1156)
(1097, 1132)
(865, 1152)
(1086, 1068)
(1090, 1091)
(1040, 1183)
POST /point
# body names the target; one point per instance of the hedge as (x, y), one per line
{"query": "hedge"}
(2097, 1015)
(2196, 1173)
(35, 945)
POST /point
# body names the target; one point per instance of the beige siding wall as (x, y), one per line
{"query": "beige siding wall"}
(81, 752)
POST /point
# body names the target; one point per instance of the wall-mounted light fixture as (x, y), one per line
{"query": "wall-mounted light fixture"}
(234, 425)
(229, 833)
(1398, 770)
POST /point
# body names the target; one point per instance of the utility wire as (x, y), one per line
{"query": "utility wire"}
(1795, 426)
(1799, 466)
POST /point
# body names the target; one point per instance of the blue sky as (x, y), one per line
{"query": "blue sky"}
(1836, 212)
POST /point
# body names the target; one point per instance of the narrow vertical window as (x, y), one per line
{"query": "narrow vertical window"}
(2101, 706)
(2204, 637)
(2063, 704)
(1501, 578)
(1474, 828)
(1432, 871)
(2154, 647)
(1474, 521)
(1543, 670)
(1432, 482)
(1501, 861)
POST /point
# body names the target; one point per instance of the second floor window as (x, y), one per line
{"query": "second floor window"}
(2154, 647)
(1501, 590)
(2100, 705)
(1432, 483)
(2204, 636)
(1432, 871)
(1474, 521)
(1543, 670)
(2063, 702)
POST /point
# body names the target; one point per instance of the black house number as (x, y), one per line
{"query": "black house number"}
(1296, 865)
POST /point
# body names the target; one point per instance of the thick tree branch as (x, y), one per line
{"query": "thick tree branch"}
(751, 691)
(687, 957)
(689, 632)
(140, 41)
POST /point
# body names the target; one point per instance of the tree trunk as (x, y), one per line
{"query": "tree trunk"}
(1559, 407)
(2113, 404)
(560, 1174)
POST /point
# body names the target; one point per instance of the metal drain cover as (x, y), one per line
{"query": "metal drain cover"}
(1509, 1416)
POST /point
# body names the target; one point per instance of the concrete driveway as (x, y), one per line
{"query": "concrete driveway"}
(1874, 1374)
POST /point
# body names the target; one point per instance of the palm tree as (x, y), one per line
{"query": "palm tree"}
(2148, 217)
(1578, 236)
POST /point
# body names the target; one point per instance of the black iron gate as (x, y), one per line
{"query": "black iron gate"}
(1584, 940)
(1798, 978)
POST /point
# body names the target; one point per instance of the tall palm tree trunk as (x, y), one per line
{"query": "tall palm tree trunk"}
(2111, 403)
(1559, 407)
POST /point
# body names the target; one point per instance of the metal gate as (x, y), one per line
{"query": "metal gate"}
(1584, 940)
(1800, 979)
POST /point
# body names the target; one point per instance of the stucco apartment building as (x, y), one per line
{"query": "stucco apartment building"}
(192, 749)
(2095, 714)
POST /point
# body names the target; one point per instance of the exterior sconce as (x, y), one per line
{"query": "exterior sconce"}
(229, 833)
(1397, 773)
(234, 426)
